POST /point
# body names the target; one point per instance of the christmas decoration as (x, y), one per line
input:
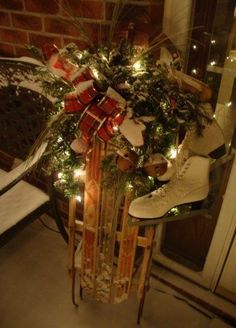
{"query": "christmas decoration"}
(210, 143)
(116, 115)
(190, 185)
(57, 63)
(156, 165)
(118, 95)
(79, 146)
(126, 160)
(190, 84)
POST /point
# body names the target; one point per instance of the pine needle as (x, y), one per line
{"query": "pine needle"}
(119, 5)
(52, 125)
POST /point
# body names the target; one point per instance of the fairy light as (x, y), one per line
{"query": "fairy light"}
(61, 177)
(104, 57)
(229, 104)
(79, 173)
(79, 198)
(194, 71)
(213, 41)
(115, 128)
(214, 115)
(213, 62)
(230, 58)
(174, 211)
(130, 186)
(95, 73)
(80, 56)
(172, 152)
(194, 47)
(137, 65)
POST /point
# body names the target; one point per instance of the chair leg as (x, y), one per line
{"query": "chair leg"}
(141, 304)
(74, 287)
(56, 214)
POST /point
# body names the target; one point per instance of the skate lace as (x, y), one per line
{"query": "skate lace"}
(174, 185)
(183, 154)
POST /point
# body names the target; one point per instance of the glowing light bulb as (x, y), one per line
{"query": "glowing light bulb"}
(172, 152)
(79, 198)
(137, 65)
(95, 73)
(229, 104)
(213, 62)
(213, 41)
(174, 211)
(194, 71)
(130, 186)
(104, 57)
(194, 46)
(79, 173)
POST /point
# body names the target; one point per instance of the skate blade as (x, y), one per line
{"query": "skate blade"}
(177, 213)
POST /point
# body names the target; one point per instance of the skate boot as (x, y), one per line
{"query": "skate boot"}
(190, 185)
(211, 143)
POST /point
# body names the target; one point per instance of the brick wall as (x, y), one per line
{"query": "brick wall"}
(39, 21)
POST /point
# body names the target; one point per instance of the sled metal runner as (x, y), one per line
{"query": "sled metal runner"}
(147, 222)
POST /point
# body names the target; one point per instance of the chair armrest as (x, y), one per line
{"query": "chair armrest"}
(11, 178)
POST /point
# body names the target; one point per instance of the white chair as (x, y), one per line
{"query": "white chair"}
(23, 115)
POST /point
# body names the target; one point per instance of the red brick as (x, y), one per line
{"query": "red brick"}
(6, 50)
(4, 19)
(84, 8)
(42, 6)
(97, 33)
(11, 4)
(130, 13)
(39, 40)
(59, 26)
(13, 36)
(80, 44)
(27, 22)
(20, 51)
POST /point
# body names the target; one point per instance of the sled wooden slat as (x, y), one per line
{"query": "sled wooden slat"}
(91, 219)
(108, 268)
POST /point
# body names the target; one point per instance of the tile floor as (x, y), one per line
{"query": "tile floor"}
(35, 291)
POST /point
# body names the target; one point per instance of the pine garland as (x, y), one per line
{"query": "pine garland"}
(149, 90)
